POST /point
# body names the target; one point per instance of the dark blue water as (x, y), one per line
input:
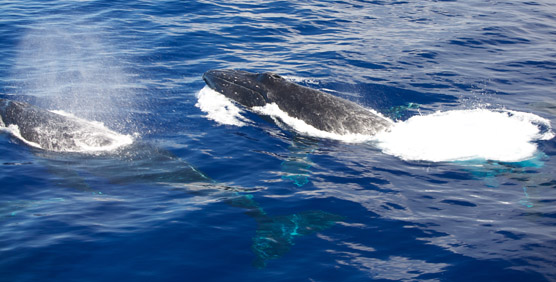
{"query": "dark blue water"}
(193, 200)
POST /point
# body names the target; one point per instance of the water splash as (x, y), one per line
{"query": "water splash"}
(219, 108)
(500, 135)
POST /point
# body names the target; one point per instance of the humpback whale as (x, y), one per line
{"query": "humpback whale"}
(141, 163)
(321, 110)
(56, 132)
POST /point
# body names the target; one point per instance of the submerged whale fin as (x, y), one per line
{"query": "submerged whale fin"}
(296, 170)
(296, 167)
(13, 208)
(275, 235)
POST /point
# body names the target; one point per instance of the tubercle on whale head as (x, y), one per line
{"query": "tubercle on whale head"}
(243, 87)
(269, 77)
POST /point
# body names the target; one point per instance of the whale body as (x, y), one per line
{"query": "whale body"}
(321, 110)
(144, 163)
(55, 132)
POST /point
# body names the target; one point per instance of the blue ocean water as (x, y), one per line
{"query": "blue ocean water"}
(195, 200)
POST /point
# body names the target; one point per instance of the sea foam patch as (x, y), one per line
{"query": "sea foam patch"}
(219, 108)
(499, 135)
(459, 135)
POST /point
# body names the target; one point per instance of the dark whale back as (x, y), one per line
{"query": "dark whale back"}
(324, 111)
(321, 110)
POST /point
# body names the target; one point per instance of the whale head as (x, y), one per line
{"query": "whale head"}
(246, 88)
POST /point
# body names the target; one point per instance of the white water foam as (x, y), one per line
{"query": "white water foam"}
(302, 127)
(219, 108)
(458, 135)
